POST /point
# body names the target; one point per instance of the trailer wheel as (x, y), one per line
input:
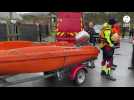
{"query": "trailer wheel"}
(80, 77)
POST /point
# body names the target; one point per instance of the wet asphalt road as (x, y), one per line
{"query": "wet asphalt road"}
(125, 77)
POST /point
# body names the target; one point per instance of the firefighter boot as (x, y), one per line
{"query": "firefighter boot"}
(109, 75)
(113, 68)
(92, 64)
(114, 65)
(103, 70)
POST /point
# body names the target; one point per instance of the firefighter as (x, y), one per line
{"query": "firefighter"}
(107, 47)
(115, 30)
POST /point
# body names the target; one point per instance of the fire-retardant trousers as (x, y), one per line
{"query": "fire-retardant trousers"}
(107, 56)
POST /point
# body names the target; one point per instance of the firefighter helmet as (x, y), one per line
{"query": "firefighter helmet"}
(106, 26)
(112, 20)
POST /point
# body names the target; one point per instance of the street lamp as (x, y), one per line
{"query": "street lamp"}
(11, 26)
(13, 21)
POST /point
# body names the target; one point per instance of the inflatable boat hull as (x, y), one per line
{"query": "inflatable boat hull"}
(26, 57)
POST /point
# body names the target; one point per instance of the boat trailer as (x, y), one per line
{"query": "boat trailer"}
(75, 73)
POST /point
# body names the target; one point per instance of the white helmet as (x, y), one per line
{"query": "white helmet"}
(82, 36)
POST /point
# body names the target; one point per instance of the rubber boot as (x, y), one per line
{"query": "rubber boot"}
(109, 75)
(113, 68)
(132, 67)
(92, 64)
(114, 65)
(103, 71)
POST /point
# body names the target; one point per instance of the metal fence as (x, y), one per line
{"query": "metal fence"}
(30, 32)
(43, 31)
(3, 32)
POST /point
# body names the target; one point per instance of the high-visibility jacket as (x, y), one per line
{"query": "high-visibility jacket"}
(105, 38)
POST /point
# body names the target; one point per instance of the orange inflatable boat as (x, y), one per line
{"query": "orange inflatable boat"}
(26, 57)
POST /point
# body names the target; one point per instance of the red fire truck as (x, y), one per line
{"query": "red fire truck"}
(68, 25)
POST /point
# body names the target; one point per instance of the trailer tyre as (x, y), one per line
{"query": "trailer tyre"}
(80, 77)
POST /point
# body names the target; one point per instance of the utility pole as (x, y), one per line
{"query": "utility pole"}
(10, 22)
(10, 15)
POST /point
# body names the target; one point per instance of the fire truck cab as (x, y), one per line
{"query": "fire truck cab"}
(68, 25)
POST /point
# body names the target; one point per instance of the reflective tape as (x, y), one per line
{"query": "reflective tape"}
(58, 33)
(71, 34)
(62, 34)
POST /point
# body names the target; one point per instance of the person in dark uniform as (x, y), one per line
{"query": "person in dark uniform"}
(132, 61)
(91, 32)
(131, 32)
